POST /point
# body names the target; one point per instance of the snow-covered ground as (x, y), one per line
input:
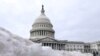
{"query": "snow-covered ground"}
(12, 45)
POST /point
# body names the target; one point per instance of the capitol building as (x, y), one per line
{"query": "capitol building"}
(42, 32)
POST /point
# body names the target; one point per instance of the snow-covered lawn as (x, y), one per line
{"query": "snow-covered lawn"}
(12, 45)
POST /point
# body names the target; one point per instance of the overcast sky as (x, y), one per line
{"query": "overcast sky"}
(74, 20)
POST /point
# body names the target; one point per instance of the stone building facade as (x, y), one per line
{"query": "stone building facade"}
(42, 32)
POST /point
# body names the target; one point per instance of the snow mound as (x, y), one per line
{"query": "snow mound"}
(12, 45)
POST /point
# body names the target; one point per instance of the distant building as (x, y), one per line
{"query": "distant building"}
(95, 46)
(42, 32)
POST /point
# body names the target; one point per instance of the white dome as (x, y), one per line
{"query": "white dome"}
(42, 27)
(42, 19)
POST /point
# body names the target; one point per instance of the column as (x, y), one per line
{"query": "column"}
(48, 44)
(44, 44)
(63, 47)
(45, 33)
(39, 32)
(56, 45)
(36, 33)
(52, 45)
(42, 32)
(59, 46)
(33, 33)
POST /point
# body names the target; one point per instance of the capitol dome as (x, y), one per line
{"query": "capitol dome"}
(42, 19)
(42, 27)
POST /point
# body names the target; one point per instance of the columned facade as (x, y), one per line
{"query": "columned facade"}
(56, 46)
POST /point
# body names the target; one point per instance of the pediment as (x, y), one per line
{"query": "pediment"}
(47, 39)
